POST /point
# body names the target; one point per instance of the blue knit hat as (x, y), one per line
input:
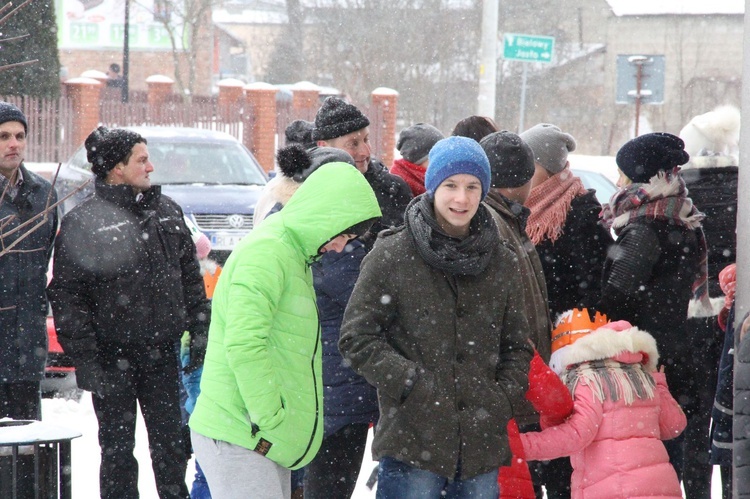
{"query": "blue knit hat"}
(453, 156)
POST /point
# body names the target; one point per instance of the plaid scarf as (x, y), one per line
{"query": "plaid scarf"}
(549, 203)
(663, 198)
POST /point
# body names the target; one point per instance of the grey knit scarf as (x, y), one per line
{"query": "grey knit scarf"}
(468, 256)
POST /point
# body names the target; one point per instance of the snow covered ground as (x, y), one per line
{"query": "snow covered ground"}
(85, 454)
(85, 450)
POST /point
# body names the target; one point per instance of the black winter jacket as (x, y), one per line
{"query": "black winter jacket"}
(23, 303)
(573, 263)
(647, 280)
(714, 192)
(393, 195)
(125, 271)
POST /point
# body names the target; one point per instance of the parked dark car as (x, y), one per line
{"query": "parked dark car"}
(212, 176)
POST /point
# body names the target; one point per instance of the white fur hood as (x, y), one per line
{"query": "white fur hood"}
(605, 343)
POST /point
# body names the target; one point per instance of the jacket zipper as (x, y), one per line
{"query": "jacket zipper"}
(315, 390)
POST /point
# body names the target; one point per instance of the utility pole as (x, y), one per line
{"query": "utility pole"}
(488, 61)
(741, 487)
(126, 54)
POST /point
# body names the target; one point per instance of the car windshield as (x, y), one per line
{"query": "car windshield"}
(592, 180)
(195, 163)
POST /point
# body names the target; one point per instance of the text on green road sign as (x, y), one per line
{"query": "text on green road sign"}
(528, 48)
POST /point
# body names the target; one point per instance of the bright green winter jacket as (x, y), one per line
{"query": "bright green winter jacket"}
(262, 384)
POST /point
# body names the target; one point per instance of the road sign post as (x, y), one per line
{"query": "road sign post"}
(527, 48)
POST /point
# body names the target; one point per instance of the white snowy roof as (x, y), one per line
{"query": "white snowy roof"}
(676, 7)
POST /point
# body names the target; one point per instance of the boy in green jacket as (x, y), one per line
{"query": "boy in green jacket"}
(260, 410)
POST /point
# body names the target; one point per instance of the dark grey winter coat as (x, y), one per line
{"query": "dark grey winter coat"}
(741, 422)
(23, 303)
(459, 342)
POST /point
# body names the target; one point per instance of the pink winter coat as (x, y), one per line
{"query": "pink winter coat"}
(615, 448)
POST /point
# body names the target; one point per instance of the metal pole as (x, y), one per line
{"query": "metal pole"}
(742, 298)
(126, 54)
(638, 78)
(523, 98)
(488, 62)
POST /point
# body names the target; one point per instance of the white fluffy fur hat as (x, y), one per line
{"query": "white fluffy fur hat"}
(715, 134)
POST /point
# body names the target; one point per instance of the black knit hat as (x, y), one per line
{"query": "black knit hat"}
(511, 159)
(298, 163)
(105, 147)
(300, 132)
(643, 157)
(9, 112)
(336, 118)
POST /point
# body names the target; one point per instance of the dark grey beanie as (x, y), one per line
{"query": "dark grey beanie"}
(9, 112)
(511, 159)
(105, 147)
(300, 132)
(297, 163)
(550, 146)
(336, 118)
(414, 142)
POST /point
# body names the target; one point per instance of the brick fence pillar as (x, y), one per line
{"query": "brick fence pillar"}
(231, 94)
(260, 138)
(385, 100)
(84, 96)
(159, 89)
(305, 100)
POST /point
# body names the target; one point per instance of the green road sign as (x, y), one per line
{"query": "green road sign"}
(528, 48)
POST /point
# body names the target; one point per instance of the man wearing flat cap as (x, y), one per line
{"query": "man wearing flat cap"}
(126, 286)
(341, 125)
(23, 266)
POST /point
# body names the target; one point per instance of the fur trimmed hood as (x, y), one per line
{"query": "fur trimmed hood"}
(607, 342)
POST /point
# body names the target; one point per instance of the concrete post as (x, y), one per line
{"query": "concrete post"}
(84, 94)
(260, 138)
(384, 101)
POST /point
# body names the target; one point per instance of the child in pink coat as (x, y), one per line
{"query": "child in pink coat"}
(622, 410)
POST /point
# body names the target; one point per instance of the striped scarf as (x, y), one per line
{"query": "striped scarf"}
(663, 198)
(549, 203)
(612, 378)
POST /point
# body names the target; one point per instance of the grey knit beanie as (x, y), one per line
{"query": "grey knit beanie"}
(550, 146)
(414, 142)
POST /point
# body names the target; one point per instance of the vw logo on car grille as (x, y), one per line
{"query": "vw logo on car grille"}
(236, 221)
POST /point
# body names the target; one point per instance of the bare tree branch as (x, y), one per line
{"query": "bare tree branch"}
(14, 11)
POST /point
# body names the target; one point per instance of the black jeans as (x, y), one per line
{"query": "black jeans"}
(334, 471)
(145, 375)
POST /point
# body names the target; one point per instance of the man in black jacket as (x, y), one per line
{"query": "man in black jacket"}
(24, 256)
(341, 125)
(126, 286)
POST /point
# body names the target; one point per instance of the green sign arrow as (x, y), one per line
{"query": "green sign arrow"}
(528, 48)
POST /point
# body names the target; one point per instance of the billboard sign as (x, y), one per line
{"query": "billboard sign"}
(100, 24)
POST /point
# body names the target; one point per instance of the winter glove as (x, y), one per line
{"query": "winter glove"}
(198, 344)
(191, 381)
(91, 377)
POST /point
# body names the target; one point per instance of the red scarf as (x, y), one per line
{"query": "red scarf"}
(413, 174)
(549, 203)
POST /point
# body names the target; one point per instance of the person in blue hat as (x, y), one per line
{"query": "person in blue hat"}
(436, 324)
